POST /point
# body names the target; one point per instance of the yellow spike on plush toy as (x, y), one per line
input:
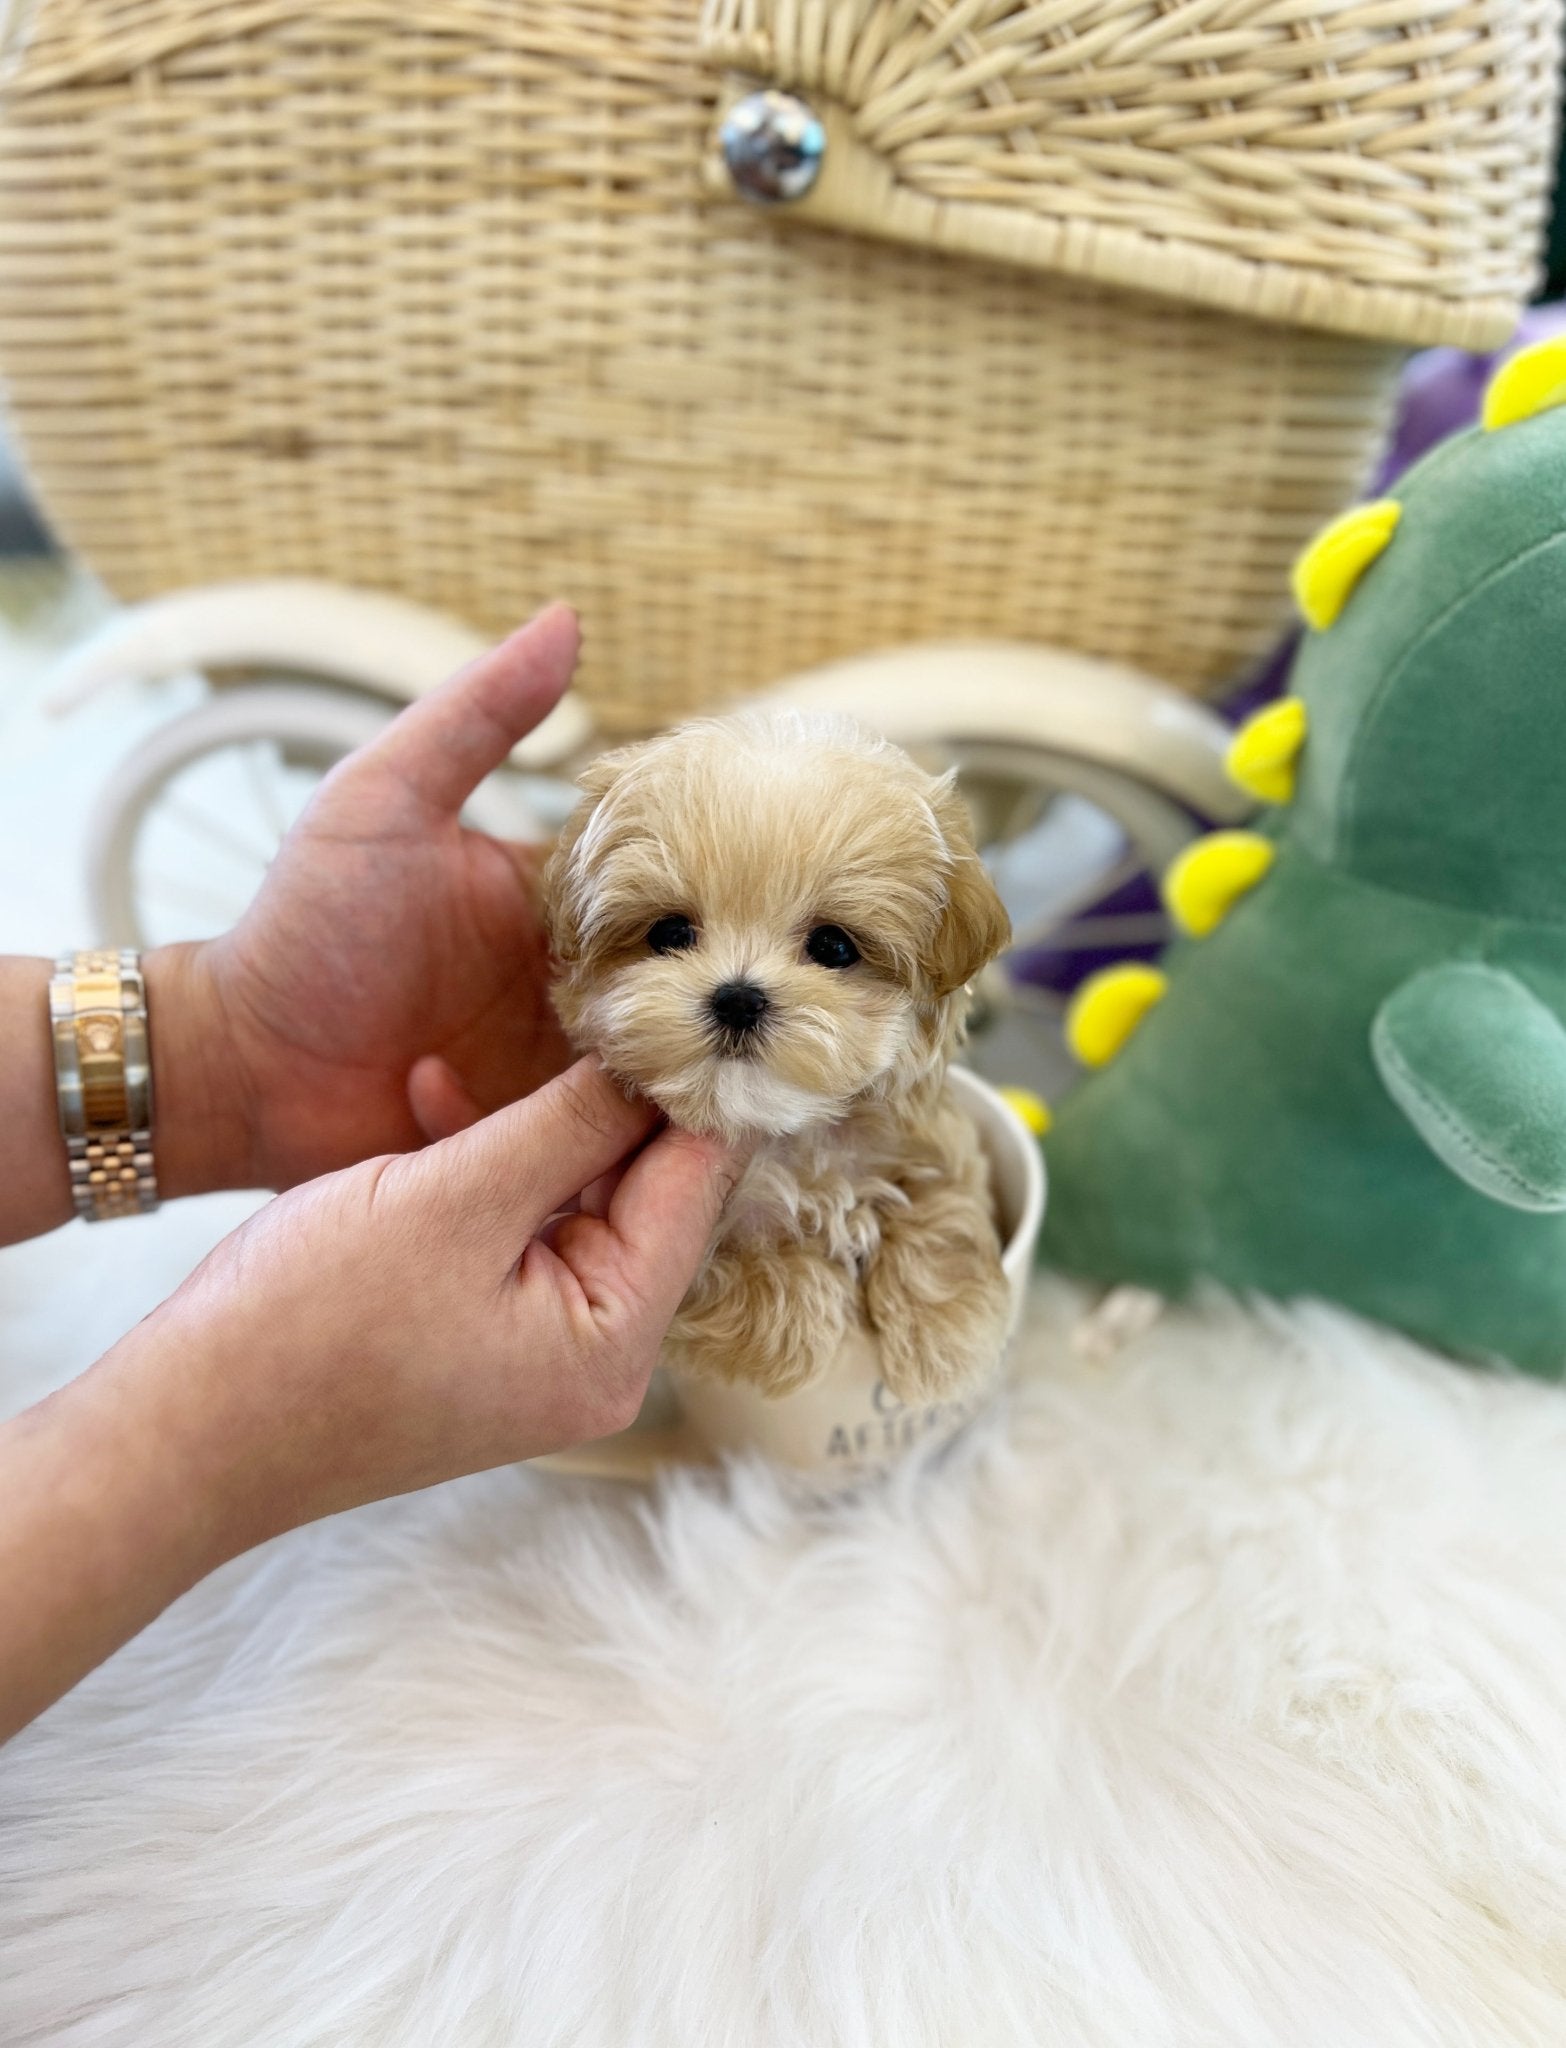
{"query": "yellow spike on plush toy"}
(1108, 1007)
(1205, 882)
(1033, 1109)
(1529, 382)
(1263, 753)
(1340, 554)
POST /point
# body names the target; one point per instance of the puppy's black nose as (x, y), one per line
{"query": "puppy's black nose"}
(739, 1006)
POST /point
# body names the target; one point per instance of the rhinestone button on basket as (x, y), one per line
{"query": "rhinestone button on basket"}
(773, 145)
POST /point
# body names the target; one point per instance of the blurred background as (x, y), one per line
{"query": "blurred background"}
(980, 378)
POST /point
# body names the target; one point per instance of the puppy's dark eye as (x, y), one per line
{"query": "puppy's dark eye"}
(830, 946)
(672, 935)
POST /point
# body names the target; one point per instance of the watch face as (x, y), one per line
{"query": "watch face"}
(101, 1035)
(100, 1055)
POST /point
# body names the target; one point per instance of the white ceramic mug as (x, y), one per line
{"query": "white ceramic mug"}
(845, 1424)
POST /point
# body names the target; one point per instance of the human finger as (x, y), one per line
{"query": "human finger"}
(441, 1105)
(664, 1211)
(443, 745)
(530, 1159)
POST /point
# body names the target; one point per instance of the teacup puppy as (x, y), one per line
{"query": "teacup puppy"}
(765, 924)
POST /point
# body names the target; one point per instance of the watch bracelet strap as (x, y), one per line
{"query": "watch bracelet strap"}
(103, 1081)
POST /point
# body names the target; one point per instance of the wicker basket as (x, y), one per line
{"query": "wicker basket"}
(1094, 313)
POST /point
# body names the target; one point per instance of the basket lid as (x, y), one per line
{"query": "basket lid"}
(1378, 167)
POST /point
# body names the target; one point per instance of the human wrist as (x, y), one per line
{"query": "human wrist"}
(36, 1192)
(203, 1101)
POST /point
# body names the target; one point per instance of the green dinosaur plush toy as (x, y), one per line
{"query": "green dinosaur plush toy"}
(1349, 1078)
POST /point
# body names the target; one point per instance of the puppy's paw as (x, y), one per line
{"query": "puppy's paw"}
(773, 1316)
(940, 1313)
(1117, 1319)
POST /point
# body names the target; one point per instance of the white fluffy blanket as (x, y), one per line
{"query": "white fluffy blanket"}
(1214, 1695)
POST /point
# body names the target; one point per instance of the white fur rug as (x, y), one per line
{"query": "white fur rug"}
(1213, 1696)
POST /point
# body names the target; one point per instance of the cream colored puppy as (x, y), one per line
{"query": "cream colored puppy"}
(765, 923)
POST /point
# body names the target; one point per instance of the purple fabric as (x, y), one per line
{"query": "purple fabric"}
(1443, 387)
(1062, 968)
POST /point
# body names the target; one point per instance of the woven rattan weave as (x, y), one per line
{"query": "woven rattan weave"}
(452, 299)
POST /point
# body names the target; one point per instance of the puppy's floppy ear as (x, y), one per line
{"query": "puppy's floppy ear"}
(975, 926)
(558, 889)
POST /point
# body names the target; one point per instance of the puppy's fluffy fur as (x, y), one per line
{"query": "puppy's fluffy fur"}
(713, 860)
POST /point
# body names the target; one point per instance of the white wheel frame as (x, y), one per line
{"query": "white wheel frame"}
(1146, 755)
(1070, 706)
(1149, 757)
(299, 625)
(327, 722)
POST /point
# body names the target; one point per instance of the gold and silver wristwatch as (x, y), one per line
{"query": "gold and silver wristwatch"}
(103, 1077)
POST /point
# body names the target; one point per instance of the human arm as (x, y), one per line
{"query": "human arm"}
(389, 982)
(202, 1137)
(383, 1328)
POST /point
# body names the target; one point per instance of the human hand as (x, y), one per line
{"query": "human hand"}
(390, 981)
(395, 1324)
(433, 1313)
